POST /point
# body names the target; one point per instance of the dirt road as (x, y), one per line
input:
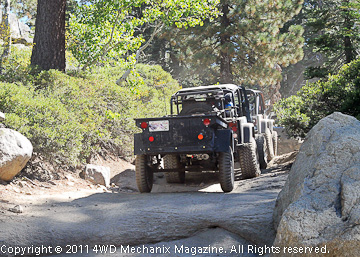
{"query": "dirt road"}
(196, 214)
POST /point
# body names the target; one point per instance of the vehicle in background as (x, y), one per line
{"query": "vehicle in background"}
(210, 128)
(265, 135)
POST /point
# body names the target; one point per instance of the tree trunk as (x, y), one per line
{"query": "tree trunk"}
(349, 56)
(49, 41)
(225, 59)
(6, 34)
(348, 47)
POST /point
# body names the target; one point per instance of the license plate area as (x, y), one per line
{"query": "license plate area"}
(158, 125)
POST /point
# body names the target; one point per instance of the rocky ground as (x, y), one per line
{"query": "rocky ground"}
(70, 211)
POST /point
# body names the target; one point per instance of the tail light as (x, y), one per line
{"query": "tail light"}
(151, 139)
(206, 122)
(200, 136)
(144, 125)
(233, 126)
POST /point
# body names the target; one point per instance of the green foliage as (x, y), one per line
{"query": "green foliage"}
(16, 66)
(25, 8)
(334, 32)
(315, 101)
(69, 117)
(243, 45)
(102, 30)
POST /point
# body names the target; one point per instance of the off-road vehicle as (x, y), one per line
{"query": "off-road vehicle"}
(209, 129)
(266, 137)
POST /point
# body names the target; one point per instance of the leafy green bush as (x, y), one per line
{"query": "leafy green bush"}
(341, 92)
(69, 117)
(16, 68)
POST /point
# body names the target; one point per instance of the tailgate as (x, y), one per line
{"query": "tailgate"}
(185, 134)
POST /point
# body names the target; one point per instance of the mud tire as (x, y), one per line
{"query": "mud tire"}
(269, 145)
(275, 142)
(144, 176)
(172, 162)
(261, 148)
(226, 171)
(249, 160)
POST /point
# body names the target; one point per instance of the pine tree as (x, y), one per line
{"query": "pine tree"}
(49, 41)
(244, 45)
(334, 32)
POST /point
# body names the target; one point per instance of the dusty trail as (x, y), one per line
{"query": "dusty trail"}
(125, 217)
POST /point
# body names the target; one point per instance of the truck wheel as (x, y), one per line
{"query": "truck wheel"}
(172, 162)
(261, 147)
(144, 176)
(226, 171)
(269, 145)
(275, 142)
(249, 160)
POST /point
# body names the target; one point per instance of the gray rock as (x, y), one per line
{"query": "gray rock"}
(320, 202)
(14, 26)
(20, 32)
(17, 209)
(15, 152)
(97, 174)
(2, 116)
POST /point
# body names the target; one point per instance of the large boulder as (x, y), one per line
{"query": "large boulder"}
(20, 32)
(320, 203)
(97, 174)
(15, 152)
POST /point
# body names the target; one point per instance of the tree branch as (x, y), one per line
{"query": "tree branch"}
(157, 30)
(105, 49)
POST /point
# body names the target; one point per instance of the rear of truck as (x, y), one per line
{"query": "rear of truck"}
(181, 135)
(199, 135)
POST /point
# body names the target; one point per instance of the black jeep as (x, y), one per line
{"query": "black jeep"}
(209, 129)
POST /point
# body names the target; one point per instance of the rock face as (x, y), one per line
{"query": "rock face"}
(20, 32)
(97, 174)
(320, 202)
(15, 152)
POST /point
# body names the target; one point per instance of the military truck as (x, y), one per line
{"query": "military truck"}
(209, 128)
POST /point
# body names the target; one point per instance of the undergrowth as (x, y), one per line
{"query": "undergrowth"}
(71, 116)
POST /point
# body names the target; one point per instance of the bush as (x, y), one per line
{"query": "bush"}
(315, 101)
(69, 117)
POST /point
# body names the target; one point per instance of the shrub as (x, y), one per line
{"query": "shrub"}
(69, 117)
(340, 92)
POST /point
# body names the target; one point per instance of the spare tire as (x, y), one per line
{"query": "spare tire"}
(197, 107)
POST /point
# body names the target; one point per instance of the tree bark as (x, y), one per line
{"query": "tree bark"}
(226, 75)
(348, 46)
(49, 41)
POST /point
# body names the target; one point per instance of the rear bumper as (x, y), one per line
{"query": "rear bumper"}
(172, 150)
(219, 142)
(148, 148)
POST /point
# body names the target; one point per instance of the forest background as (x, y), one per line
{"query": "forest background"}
(95, 65)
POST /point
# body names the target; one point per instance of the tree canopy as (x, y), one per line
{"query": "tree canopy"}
(246, 44)
(103, 30)
(334, 32)
(340, 92)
